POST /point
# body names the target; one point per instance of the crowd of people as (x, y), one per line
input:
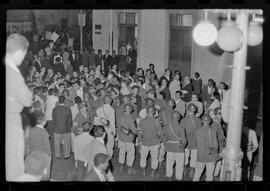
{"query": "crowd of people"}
(90, 108)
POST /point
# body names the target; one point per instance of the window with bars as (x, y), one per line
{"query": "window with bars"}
(127, 18)
(180, 37)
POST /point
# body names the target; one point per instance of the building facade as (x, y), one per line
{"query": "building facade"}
(162, 37)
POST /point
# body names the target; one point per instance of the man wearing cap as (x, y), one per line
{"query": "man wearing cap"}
(190, 123)
(126, 134)
(106, 117)
(149, 137)
(207, 149)
(175, 142)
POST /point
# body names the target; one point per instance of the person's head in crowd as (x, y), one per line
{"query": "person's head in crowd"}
(16, 49)
(55, 77)
(98, 67)
(98, 131)
(82, 81)
(161, 95)
(151, 94)
(122, 73)
(178, 95)
(140, 72)
(194, 97)
(140, 83)
(177, 72)
(101, 161)
(66, 93)
(37, 75)
(153, 75)
(67, 77)
(42, 70)
(126, 99)
(61, 99)
(76, 85)
(171, 103)
(154, 82)
(191, 109)
(40, 119)
(150, 110)
(186, 80)
(36, 165)
(85, 70)
(101, 92)
(93, 51)
(223, 86)
(81, 67)
(82, 107)
(75, 74)
(97, 81)
(86, 96)
(177, 76)
(164, 82)
(92, 71)
(216, 95)
(92, 89)
(91, 79)
(113, 53)
(37, 91)
(78, 100)
(61, 87)
(197, 75)
(151, 67)
(102, 76)
(135, 90)
(36, 106)
(167, 72)
(115, 67)
(148, 72)
(217, 113)
(86, 126)
(206, 120)
(51, 92)
(107, 52)
(128, 108)
(124, 83)
(211, 83)
(99, 51)
(44, 90)
(35, 57)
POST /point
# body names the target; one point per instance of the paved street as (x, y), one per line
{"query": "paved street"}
(61, 170)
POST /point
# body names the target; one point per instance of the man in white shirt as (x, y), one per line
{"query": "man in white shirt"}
(80, 142)
(50, 103)
(106, 117)
(180, 105)
(95, 146)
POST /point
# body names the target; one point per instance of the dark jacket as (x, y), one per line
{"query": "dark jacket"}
(62, 119)
(206, 137)
(187, 96)
(167, 93)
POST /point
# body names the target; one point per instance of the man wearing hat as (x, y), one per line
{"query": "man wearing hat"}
(207, 149)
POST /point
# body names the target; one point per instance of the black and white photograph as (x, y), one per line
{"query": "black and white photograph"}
(134, 95)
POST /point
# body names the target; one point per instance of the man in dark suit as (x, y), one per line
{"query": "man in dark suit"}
(107, 62)
(72, 57)
(62, 121)
(114, 59)
(207, 93)
(97, 173)
(99, 59)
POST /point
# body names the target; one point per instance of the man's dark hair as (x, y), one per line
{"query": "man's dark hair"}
(51, 91)
(37, 90)
(97, 131)
(62, 99)
(179, 92)
(44, 89)
(100, 158)
(78, 99)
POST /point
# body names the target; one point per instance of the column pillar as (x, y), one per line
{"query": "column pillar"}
(232, 154)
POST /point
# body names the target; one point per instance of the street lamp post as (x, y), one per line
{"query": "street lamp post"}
(81, 20)
(232, 154)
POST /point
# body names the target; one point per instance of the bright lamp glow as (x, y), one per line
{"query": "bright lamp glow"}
(255, 34)
(205, 33)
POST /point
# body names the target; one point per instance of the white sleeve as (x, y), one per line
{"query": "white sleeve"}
(254, 139)
(112, 120)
